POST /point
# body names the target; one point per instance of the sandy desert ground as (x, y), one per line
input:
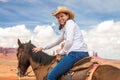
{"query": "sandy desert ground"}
(8, 66)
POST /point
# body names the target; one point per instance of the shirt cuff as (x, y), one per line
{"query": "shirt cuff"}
(44, 48)
(63, 52)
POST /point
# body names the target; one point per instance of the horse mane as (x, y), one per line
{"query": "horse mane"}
(40, 57)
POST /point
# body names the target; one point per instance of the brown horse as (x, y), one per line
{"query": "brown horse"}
(42, 63)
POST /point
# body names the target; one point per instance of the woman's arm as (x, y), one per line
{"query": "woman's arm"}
(58, 41)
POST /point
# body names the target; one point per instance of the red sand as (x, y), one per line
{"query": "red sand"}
(8, 65)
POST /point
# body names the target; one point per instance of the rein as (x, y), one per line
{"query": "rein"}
(27, 73)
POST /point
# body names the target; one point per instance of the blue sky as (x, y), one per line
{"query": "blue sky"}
(99, 21)
(38, 12)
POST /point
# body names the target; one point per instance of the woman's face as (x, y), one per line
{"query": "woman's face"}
(62, 18)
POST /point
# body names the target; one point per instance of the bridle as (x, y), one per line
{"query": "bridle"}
(27, 73)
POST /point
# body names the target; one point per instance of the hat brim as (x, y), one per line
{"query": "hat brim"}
(64, 10)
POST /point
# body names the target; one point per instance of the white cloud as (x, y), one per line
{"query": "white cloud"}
(15, 31)
(41, 35)
(9, 36)
(104, 38)
(4, 0)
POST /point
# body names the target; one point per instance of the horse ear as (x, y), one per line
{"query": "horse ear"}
(30, 42)
(19, 42)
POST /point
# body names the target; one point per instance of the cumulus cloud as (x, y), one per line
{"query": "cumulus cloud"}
(8, 36)
(43, 35)
(103, 38)
(39, 36)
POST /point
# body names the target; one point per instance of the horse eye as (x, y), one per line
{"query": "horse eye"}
(19, 55)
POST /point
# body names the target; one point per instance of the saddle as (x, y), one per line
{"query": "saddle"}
(80, 71)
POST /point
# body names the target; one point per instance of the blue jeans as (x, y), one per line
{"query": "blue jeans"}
(65, 64)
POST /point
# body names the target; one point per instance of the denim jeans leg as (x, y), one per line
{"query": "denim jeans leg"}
(63, 66)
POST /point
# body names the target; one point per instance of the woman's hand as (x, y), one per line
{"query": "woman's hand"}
(37, 49)
(62, 53)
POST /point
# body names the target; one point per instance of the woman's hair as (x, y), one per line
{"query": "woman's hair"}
(61, 26)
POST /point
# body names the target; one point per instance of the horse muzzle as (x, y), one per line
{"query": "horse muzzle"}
(19, 73)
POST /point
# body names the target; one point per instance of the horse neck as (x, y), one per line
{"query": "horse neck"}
(40, 57)
(35, 67)
(40, 70)
(40, 63)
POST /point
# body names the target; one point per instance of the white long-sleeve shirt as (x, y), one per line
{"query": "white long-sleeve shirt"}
(73, 39)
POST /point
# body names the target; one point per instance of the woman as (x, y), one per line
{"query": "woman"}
(102, 61)
(74, 47)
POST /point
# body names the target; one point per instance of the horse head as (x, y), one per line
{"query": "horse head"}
(23, 58)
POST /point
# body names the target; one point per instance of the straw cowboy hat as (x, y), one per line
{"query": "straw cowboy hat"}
(63, 9)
